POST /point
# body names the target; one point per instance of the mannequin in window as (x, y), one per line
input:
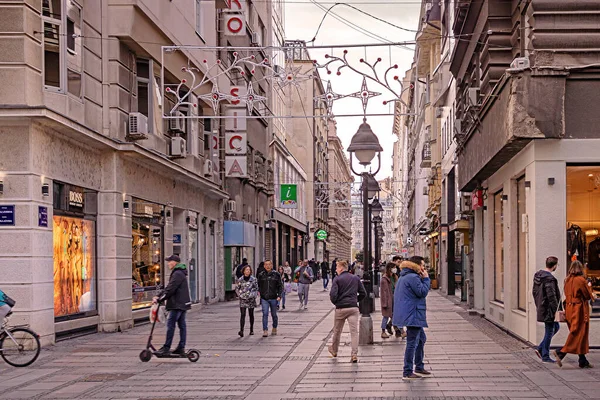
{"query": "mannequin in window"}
(576, 246)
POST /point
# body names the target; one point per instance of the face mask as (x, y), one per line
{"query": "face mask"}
(394, 270)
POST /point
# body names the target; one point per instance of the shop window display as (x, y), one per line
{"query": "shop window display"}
(583, 222)
(74, 266)
(146, 270)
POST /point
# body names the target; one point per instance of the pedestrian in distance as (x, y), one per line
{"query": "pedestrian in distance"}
(546, 295)
(287, 269)
(314, 266)
(177, 295)
(346, 291)
(386, 298)
(260, 269)
(305, 279)
(410, 310)
(325, 274)
(247, 290)
(270, 287)
(285, 279)
(238, 270)
(333, 268)
(578, 293)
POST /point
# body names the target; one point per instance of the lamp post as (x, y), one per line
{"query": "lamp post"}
(365, 146)
(376, 212)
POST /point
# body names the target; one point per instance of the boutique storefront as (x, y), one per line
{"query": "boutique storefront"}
(544, 202)
(74, 242)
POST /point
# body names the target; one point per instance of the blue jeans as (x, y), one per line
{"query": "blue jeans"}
(325, 282)
(544, 347)
(266, 305)
(384, 323)
(176, 317)
(415, 347)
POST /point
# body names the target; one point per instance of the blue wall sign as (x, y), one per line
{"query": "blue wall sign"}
(7, 215)
(177, 239)
(43, 216)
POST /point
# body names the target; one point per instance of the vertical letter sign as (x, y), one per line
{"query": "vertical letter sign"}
(289, 196)
(235, 23)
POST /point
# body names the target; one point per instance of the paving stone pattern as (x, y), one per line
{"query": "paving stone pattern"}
(469, 358)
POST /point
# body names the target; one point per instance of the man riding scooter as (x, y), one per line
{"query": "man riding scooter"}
(177, 294)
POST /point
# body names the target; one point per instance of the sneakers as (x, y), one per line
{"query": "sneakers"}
(179, 351)
(384, 335)
(537, 353)
(330, 349)
(274, 332)
(300, 307)
(283, 307)
(305, 307)
(241, 333)
(163, 351)
(588, 365)
(354, 359)
(265, 333)
(549, 360)
(411, 377)
(422, 373)
(251, 332)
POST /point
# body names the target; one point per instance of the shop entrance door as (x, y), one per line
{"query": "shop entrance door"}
(193, 257)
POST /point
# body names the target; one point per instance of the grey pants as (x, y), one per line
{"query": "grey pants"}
(303, 292)
(4, 309)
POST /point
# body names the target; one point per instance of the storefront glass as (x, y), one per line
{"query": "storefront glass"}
(193, 267)
(498, 247)
(583, 223)
(522, 246)
(146, 252)
(74, 241)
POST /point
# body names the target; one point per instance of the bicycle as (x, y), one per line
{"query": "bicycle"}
(19, 345)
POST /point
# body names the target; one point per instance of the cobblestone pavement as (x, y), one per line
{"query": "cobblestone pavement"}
(469, 357)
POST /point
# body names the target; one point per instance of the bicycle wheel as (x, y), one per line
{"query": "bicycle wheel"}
(19, 347)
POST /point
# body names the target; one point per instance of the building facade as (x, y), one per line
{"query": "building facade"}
(340, 181)
(95, 193)
(525, 103)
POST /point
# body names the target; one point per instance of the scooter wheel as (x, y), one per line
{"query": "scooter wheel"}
(145, 355)
(193, 355)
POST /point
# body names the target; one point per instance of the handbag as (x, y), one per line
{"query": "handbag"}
(288, 287)
(294, 286)
(560, 315)
(9, 301)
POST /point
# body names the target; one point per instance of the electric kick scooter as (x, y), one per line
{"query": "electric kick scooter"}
(192, 354)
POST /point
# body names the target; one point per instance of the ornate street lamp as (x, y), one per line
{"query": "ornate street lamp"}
(365, 146)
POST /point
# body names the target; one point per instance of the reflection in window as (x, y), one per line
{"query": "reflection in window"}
(498, 247)
(521, 247)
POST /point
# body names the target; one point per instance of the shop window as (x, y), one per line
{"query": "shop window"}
(74, 251)
(146, 252)
(521, 247)
(583, 223)
(498, 247)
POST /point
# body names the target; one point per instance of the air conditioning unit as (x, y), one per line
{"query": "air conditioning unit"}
(458, 127)
(465, 203)
(520, 63)
(138, 126)
(474, 94)
(208, 168)
(230, 206)
(178, 147)
(177, 124)
(256, 39)
(439, 111)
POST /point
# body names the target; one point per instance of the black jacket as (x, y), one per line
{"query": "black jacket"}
(177, 292)
(324, 269)
(270, 285)
(546, 295)
(347, 290)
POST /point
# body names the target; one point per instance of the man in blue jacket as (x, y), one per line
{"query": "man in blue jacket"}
(410, 310)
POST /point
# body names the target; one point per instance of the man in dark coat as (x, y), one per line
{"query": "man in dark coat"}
(315, 269)
(410, 310)
(270, 287)
(546, 294)
(325, 274)
(177, 294)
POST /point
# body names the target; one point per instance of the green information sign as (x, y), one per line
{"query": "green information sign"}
(321, 234)
(289, 196)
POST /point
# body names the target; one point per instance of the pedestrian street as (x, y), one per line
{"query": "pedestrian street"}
(469, 359)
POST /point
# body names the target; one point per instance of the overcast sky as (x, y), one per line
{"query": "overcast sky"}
(302, 20)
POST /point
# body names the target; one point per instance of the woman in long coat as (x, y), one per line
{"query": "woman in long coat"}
(247, 290)
(386, 296)
(578, 294)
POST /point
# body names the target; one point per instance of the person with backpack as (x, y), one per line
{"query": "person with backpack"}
(546, 295)
(177, 295)
(6, 305)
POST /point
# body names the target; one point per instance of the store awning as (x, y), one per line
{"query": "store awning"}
(239, 233)
(286, 219)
